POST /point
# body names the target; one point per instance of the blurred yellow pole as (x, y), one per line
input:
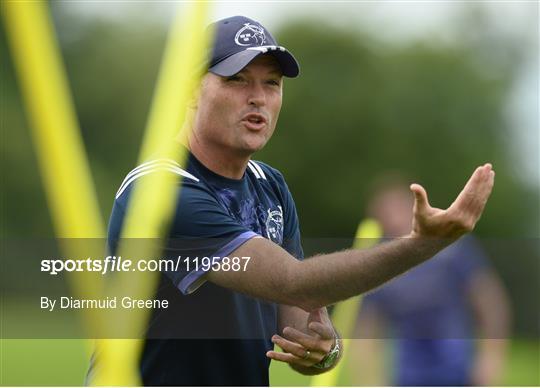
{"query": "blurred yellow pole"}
(62, 158)
(178, 79)
(345, 313)
(55, 133)
(152, 202)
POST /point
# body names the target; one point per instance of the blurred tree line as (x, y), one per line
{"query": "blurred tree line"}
(360, 107)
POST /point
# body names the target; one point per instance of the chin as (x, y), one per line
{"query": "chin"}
(254, 145)
(248, 151)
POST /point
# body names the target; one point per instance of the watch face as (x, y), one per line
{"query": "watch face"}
(331, 358)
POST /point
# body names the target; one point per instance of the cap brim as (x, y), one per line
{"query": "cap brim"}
(236, 62)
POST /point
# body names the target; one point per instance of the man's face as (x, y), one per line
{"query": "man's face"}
(238, 114)
(393, 209)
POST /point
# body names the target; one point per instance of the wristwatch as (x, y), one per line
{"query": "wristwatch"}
(331, 357)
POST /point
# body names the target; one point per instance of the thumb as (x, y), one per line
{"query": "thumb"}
(420, 197)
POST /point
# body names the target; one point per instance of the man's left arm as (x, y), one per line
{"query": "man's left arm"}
(309, 341)
(491, 307)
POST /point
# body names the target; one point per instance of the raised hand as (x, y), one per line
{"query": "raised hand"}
(461, 216)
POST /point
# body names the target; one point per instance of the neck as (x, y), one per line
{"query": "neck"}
(221, 163)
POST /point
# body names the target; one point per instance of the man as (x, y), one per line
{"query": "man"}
(233, 207)
(432, 313)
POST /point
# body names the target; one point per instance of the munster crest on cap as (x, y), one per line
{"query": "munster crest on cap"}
(238, 40)
(250, 34)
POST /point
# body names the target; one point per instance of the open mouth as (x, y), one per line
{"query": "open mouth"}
(254, 121)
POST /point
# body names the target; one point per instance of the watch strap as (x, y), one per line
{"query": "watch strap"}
(331, 357)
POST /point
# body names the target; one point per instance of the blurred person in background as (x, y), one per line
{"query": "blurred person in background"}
(432, 314)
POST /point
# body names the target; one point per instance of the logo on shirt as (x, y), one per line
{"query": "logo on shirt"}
(250, 34)
(274, 225)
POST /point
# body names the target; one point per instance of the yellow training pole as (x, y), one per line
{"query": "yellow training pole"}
(178, 79)
(345, 313)
(153, 199)
(55, 130)
(59, 148)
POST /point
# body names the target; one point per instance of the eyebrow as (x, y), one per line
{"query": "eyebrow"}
(276, 70)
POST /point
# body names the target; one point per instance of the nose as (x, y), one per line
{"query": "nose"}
(257, 96)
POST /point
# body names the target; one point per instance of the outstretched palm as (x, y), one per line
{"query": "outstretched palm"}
(461, 216)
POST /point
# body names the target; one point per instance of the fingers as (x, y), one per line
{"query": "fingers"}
(462, 215)
(322, 330)
(307, 341)
(302, 349)
(322, 344)
(471, 201)
(294, 353)
(321, 322)
(474, 183)
(289, 346)
(289, 358)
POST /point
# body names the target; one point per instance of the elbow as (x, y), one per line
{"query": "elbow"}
(309, 306)
(310, 302)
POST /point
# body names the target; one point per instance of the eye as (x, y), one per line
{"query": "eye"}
(274, 82)
(234, 78)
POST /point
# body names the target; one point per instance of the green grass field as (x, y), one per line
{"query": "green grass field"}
(64, 362)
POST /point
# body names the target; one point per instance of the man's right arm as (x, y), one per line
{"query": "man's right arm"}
(273, 274)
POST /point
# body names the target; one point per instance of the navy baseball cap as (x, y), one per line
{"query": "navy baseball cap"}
(239, 40)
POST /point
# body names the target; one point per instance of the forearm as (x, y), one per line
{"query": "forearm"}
(327, 279)
(493, 348)
(274, 275)
(490, 304)
(492, 309)
(488, 366)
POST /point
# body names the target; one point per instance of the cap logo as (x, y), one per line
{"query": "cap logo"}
(249, 35)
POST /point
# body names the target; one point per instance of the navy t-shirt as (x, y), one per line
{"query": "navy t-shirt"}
(429, 316)
(210, 335)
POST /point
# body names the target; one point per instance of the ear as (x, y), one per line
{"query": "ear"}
(193, 102)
